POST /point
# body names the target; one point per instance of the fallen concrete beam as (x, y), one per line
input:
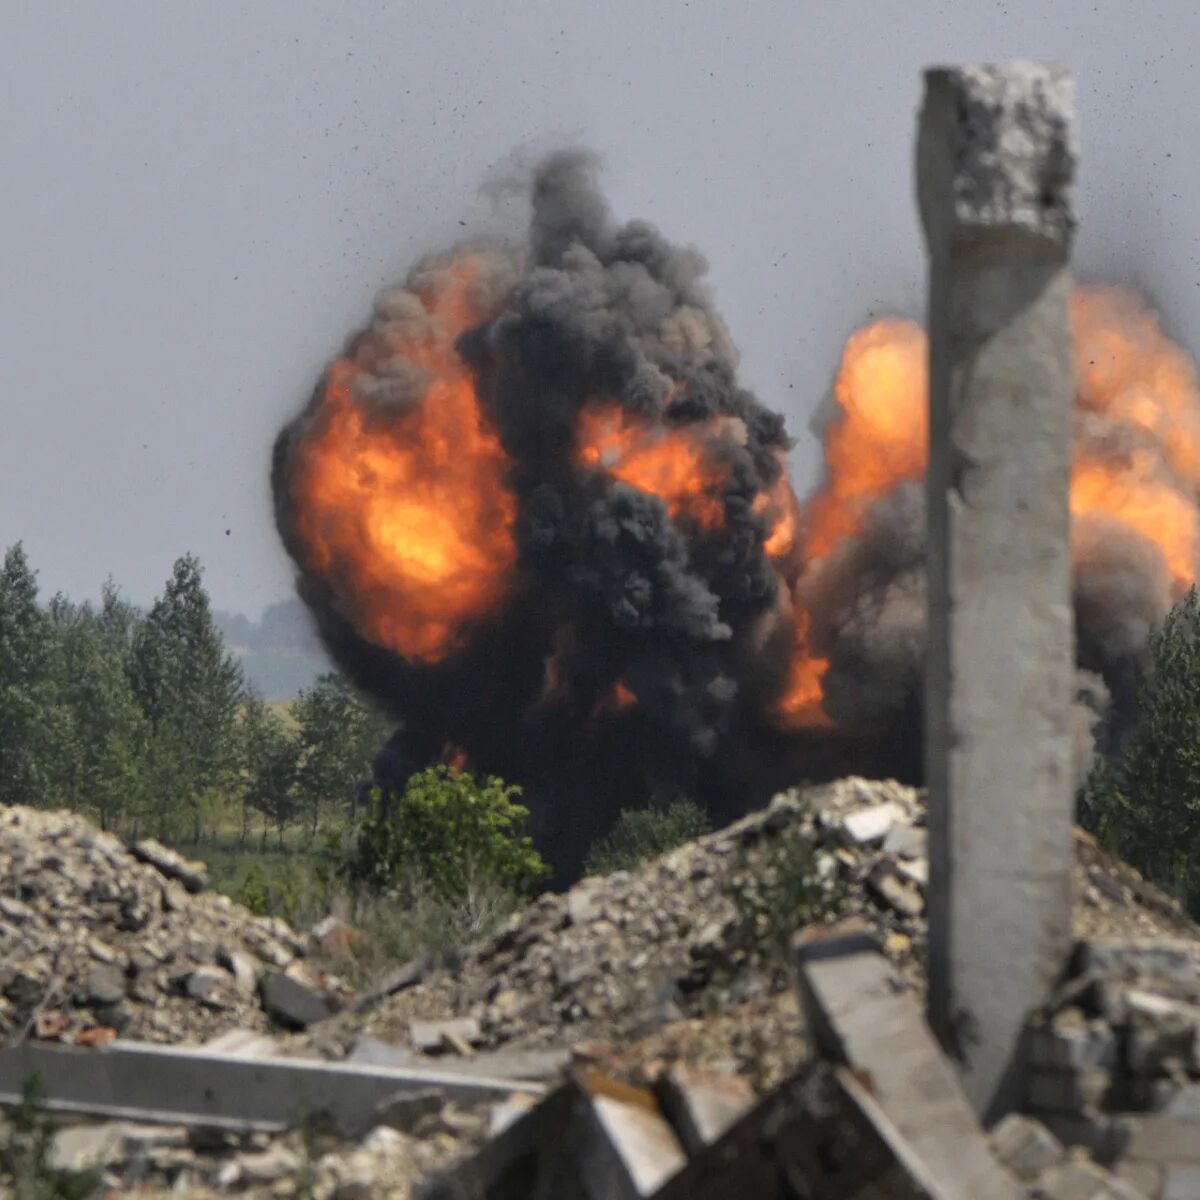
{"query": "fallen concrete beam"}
(193, 1086)
(859, 1014)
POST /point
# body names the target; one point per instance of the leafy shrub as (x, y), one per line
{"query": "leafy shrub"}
(645, 833)
(450, 834)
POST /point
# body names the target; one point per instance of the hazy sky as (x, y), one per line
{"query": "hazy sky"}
(201, 197)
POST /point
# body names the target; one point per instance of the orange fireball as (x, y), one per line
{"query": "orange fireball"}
(671, 462)
(404, 507)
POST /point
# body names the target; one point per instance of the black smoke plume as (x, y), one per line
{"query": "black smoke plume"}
(614, 594)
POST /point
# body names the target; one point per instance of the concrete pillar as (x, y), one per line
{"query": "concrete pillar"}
(995, 166)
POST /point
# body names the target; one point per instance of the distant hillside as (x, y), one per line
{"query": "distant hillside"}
(279, 652)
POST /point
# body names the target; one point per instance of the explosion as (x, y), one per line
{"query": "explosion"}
(537, 517)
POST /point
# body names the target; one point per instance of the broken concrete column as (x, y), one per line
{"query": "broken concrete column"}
(995, 164)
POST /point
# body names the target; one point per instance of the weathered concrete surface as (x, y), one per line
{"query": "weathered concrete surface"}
(195, 1086)
(859, 1013)
(995, 165)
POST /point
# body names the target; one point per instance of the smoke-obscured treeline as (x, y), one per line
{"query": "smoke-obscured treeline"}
(144, 721)
(279, 654)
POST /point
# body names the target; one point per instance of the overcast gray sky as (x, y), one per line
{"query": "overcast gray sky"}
(201, 197)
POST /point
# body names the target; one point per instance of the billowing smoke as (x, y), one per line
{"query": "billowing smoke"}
(530, 505)
(537, 517)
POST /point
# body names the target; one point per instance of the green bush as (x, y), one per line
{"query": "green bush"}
(644, 833)
(450, 834)
(1145, 803)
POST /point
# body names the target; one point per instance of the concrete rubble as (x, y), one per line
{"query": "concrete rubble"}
(640, 989)
(877, 1112)
(98, 939)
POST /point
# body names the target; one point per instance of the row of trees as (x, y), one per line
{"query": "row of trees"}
(143, 719)
(1144, 801)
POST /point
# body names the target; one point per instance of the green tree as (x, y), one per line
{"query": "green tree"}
(119, 622)
(189, 690)
(452, 833)
(26, 647)
(338, 735)
(270, 759)
(100, 730)
(1145, 804)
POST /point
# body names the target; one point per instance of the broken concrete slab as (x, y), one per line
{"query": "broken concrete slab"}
(431, 1037)
(869, 826)
(592, 1139)
(859, 1014)
(621, 1143)
(820, 1134)
(1025, 1146)
(1171, 959)
(906, 841)
(701, 1105)
(292, 1003)
(87, 1147)
(193, 875)
(888, 884)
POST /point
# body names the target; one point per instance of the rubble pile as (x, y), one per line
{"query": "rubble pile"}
(664, 953)
(98, 938)
(647, 991)
(1115, 1061)
(877, 1112)
(618, 957)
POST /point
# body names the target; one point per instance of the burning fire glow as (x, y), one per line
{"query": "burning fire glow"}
(406, 501)
(671, 463)
(401, 491)
(1136, 458)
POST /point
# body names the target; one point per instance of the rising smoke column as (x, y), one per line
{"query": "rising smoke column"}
(531, 507)
(536, 516)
